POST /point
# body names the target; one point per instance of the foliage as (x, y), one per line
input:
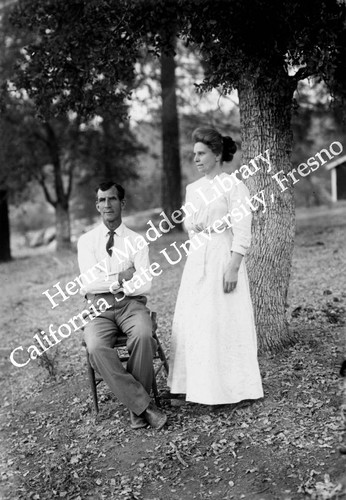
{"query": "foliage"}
(83, 53)
(80, 57)
(107, 150)
(31, 147)
(298, 40)
(10, 153)
(87, 152)
(110, 149)
(54, 145)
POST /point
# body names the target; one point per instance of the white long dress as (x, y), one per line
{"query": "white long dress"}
(213, 355)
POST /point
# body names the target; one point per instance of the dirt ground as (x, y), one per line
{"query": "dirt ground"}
(285, 446)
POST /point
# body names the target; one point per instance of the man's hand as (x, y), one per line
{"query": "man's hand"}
(126, 275)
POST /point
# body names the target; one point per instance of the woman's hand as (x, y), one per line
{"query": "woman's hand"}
(198, 228)
(230, 278)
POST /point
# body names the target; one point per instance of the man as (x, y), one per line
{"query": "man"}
(115, 245)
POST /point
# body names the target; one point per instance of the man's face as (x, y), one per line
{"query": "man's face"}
(109, 205)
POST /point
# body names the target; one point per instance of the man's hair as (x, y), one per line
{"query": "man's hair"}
(104, 186)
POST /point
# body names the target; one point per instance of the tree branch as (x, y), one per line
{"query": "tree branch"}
(41, 137)
(41, 181)
(302, 73)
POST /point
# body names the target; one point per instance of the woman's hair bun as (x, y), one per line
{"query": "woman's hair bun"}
(229, 148)
(219, 145)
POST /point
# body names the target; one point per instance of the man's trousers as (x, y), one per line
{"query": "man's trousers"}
(131, 317)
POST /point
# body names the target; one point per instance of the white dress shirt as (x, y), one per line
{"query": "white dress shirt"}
(92, 250)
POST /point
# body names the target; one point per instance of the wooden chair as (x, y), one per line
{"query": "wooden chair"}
(95, 378)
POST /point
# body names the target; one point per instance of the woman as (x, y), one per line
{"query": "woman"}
(214, 347)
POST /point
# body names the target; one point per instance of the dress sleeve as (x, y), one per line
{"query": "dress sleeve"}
(241, 223)
(188, 221)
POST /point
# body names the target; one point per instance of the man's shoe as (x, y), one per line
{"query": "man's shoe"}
(154, 417)
(137, 422)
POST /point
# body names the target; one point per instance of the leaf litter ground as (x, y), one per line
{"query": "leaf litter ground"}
(285, 446)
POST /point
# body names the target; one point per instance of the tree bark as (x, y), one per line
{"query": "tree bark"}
(171, 173)
(5, 249)
(266, 125)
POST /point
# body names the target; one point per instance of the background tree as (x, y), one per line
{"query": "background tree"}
(80, 57)
(194, 109)
(10, 179)
(57, 152)
(45, 151)
(84, 58)
(108, 150)
(5, 248)
(171, 172)
(50, 133)
(8, 182)
(314, 124)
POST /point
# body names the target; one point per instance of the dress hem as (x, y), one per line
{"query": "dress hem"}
(223, 402)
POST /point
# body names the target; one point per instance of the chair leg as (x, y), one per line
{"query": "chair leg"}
(161, 353)
(156, 392)
(92, 380)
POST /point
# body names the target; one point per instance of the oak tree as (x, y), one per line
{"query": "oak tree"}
(46, 64)
(263, 50)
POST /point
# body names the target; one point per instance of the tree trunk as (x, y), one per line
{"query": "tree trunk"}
(62, 224)
(61, 205)
(266, 125)
(5, 249)
(171, 174)
(108, 167)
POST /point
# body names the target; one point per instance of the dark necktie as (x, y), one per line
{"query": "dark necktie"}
(110, 242)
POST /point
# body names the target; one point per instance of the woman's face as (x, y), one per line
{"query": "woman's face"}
(205, 160)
